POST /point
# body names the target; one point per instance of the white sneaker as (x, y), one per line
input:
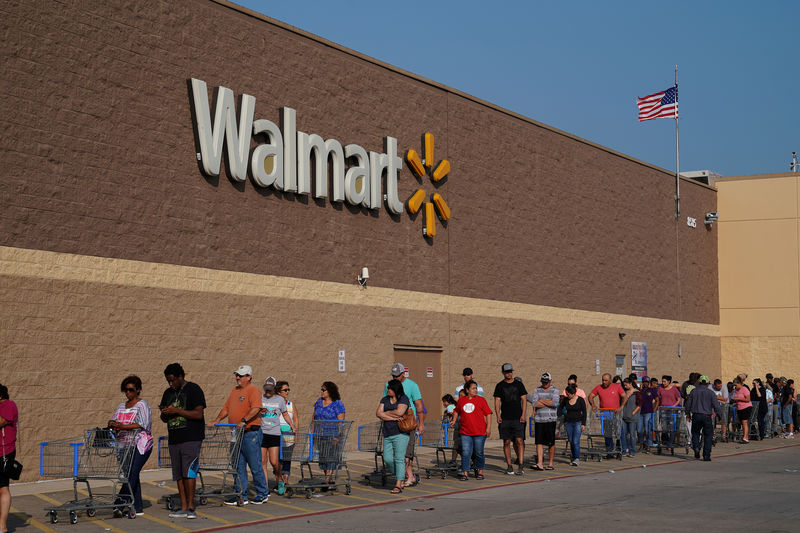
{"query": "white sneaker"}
(178, 514)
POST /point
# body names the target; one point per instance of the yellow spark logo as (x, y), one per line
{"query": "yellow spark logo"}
(421, 168)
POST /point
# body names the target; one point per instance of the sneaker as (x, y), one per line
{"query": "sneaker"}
(191, 514)
(258, 500)
(178, 514)
(697, 454)
(281, 488)
(790, 436)
(510, 470)
(573, 463)
(707, 459)
(520, 470)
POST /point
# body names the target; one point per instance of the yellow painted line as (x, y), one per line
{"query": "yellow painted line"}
(29, 520)
(294, 507)
(163, 522)
(257, 513)
(363, 499)
(48, 499)
(205, 515)
(417, 489)
(334, 504)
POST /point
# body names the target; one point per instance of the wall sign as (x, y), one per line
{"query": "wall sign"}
(284, 161)
(341, 361)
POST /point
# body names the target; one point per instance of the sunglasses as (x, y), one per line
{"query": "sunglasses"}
(323, 390)
(238, 376)
(130, 390)
(284, 390)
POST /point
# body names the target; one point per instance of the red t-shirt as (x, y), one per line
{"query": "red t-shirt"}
(669, 397)
(471, 413)
(610, 397)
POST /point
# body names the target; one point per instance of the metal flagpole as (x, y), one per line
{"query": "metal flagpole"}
(677, 154)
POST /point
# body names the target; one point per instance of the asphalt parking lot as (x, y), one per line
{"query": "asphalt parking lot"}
(743, 481)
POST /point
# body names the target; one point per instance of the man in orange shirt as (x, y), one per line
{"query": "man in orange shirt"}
(243, 408)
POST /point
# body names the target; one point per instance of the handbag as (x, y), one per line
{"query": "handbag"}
(11, 469)
(408, 423)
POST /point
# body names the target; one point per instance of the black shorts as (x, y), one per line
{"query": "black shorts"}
(511, 429)
(744, 414)
(270, 441)
(545, 433)
(4, 480)
(411, 448)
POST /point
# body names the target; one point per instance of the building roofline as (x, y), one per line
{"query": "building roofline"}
(387, 66)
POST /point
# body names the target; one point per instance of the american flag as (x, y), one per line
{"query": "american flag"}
(662, 104)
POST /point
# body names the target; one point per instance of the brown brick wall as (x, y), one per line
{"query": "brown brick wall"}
(99, 159)
(72, 327)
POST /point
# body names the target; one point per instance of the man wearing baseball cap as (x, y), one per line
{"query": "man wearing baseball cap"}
(545, 405)
(468, 376)
(700, 404)
(411, 390)
(509, 407)
(243, 408)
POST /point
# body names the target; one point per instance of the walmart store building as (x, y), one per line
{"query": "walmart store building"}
(194, 182)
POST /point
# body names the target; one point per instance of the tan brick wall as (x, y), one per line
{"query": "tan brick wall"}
(73, 326)
(758, 355)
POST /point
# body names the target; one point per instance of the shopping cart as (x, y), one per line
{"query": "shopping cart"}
(219, 454)
(370, 440)
(672, 430)
(324, 444)
(103, 454)
(442, 439)
(602, 425)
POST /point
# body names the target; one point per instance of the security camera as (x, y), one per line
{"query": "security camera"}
(713, 215)
(362, 279)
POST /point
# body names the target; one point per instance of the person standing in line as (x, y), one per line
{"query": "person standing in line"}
(288, 431)
(131, 415)
(475, 417)
(411, 390)
(630, 418)
(573, 380)
(649, 398)
(243, 408)
(9, 417)
(669, 395)
(611, 397)
(545, 414)
(574, 409)
(510, 405)
(274, 413)
(329, 406)
(741, 399)
(468, 375)
(392, 407)
(721, 392)
(700, 405)
(787, 403)
(182, 406)
(758, 393)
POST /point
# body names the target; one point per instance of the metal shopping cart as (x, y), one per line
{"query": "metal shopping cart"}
(324, 444)
(219, 453)
(370, 440)
(672, 430)
(603, 425)
(442, 439)
(102, 455)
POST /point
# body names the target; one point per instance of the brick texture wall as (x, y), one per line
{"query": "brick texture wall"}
(99, 159)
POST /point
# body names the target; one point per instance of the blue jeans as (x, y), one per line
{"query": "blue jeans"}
(702, 424)
(250, 454)
(394, 454)
(133, 486)
(472, 447)
(629, 436)
(646, 428)
(574, 437)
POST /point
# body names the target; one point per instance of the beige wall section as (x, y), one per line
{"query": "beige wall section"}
(759, 274)
(71, 327)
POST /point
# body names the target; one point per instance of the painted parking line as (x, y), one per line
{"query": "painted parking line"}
(28, 520)
(150, 517)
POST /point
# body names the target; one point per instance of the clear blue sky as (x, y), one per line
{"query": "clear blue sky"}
(579, 66)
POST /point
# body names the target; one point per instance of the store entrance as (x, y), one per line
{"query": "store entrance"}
(424, 366)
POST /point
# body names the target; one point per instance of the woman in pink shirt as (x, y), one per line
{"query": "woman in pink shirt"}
(741, 397)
